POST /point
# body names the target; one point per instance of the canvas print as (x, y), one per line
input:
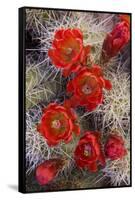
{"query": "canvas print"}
(77, 99)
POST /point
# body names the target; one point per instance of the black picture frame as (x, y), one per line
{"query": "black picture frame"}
(22, 99)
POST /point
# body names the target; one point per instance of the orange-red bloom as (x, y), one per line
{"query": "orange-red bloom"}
(115, 40)
(58, 123)
(125, 18)
(68, 51)
(114, 147)
(86, 88)
(88, 151)
(48, 170)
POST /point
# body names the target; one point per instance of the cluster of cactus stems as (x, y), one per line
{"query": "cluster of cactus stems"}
(46, 84)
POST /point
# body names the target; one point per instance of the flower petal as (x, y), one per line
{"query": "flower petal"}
(59, 34)
(77, 33)
(70, 87)
(108, 84)
(55, 58)
(93, 167)
(96, 70)
(76, 129)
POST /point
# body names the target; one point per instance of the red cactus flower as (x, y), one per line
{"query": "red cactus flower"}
(68, 51)
(114, 147)
(125, 18)
(86, 88)
(88, 151)
(57, 124)
(48, 170)
(115, 40)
